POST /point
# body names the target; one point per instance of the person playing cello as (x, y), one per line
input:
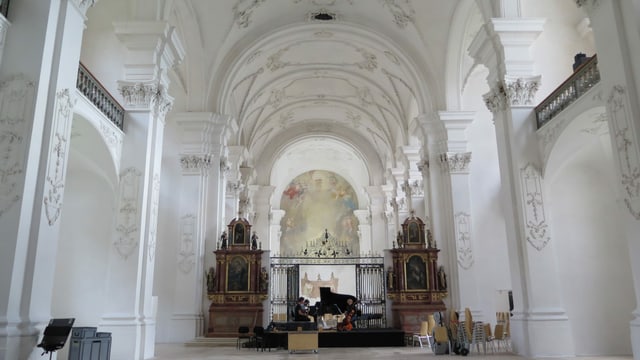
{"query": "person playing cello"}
(350, 313)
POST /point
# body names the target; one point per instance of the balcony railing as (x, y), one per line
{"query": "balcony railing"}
(583, 79)
(99, 96)
(4, 8)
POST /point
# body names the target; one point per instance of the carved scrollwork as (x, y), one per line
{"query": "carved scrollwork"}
(463, 240)
(195, 162)
(537, 229)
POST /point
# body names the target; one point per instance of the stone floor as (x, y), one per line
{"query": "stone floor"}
(180, 351)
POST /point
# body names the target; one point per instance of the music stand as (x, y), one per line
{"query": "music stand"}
(55, 335)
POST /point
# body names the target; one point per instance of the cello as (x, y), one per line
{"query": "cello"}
(346, 324)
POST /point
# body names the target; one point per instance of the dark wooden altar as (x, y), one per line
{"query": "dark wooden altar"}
(239, 284)
(414, 285)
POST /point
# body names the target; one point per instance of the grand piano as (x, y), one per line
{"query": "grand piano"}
(336, 304)
(333, 303)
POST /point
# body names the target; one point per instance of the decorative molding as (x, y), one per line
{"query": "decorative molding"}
(513, 91)
(275, 62)
(324, 2)
(588, 5)
(146, 96)
(234, 187)
(127, 218)
(537, 229)
(521, 91)
(84, 5)
(114, 140)
(402, 11)
(242, 15)
(139, 95)
(628, 157)
(496, 99)
(455, 162)
(153, 218)
(16, 101)
(187, 255)
(58, 150)
(195, 162)
(463, 239)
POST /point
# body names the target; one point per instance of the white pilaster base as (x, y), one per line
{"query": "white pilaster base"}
(18, 341)
(186, 327)
(543, 333)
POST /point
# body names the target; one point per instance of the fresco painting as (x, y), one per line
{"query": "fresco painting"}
(315, 201)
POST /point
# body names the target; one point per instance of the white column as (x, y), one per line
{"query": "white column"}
(364, 230)
(455, 168)
(275, 231)
(235, 185)
(414, 182)
(540, 325)
(615, 28)
(151, 48)
(37, 87)
(200, 156)
(379, 234)
(262, 208)
(442, 219)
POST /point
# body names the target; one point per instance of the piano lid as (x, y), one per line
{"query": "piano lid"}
(333, 303)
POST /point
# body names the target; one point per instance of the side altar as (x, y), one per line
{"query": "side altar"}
(415, 284)
(238, 284)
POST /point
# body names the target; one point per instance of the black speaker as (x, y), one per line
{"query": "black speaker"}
(56, 334)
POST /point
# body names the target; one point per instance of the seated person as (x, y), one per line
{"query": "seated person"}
(300, 312)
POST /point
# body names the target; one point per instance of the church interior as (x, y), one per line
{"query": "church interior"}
(173, 170)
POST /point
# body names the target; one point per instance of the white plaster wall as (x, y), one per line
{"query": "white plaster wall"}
(554, 50)
(489, 235)
(101, 51)
(85, 238)
(592, 253)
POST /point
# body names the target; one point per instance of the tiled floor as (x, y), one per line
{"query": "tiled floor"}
(179, 351)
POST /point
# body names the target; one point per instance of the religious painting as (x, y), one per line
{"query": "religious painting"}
(339, 278)
(238, 234)
(238, 274)
(414, 233)
(316, 201)
(416, 273)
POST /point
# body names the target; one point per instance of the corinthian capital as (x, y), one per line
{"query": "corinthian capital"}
(496, 99)
(195, 162)
(520, 90)
(456, 162)
(150, 95)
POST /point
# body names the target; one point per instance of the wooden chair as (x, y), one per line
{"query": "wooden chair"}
(243, 333)
(423, 334)
(440, 336)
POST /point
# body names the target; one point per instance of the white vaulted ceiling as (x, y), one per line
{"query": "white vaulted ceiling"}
(272, 66)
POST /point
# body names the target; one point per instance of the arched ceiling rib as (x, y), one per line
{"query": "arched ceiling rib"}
(339, 74)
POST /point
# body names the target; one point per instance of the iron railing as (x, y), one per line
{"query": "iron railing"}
(583, 79)
(99, 96)
(4, 8)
